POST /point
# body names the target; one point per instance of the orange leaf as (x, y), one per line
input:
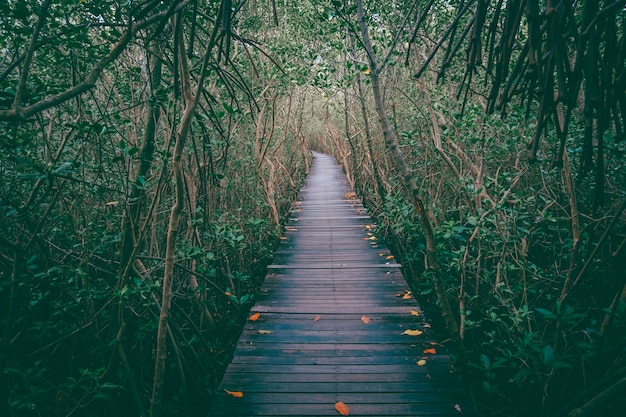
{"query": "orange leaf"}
(317, 318)
(412, 332)
(254, 317)
(365, 319)
(342, 409)
(406, 296)
(264, 331)
(390, 257)
(236, 394)
(430, 351)
(414, 313)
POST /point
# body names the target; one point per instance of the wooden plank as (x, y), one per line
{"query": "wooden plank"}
(310, 346)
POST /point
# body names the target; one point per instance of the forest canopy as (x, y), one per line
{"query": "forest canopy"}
(150, 151)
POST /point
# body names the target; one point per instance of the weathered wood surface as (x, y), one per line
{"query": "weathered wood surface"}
(310, 347)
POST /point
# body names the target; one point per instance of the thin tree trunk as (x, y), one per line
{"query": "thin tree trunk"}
(401, 166)
(191, 102)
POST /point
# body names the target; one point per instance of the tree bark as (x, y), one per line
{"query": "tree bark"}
(191, 102)
(401, 166)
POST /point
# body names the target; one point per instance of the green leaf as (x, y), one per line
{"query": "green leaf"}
(545, 313)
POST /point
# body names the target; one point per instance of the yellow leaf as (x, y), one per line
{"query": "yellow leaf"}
(367, 71)
(430, 351)
(227, 293)
(406, 296)
(414, 313)
(421, 362)
(236, 394)
(264, 331)
(342, 409)
(283, 238)
(372, 238)
(412, 332)
(254, 317)
(365, 319)
(290, 229)
(317, 318)
(112, 203)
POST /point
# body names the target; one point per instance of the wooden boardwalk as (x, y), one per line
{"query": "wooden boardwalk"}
(332, 313)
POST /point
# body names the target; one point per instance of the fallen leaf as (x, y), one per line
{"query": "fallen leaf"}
(390, 257)
(412, 332)
(427, 325)
(372, 237)
(264, 331)
(290, 229)
(317, 318)
(414, 313)
(406, 296)
(283, 238)
(421, 362)
(365, 319)
(430, 351)
(254, 317)
(342, 409)
(236, 394)
(457, 408)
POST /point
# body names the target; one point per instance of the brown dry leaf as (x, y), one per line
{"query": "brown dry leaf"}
(365, 320)
(264, 331)
(421, 362)
(254, 317)
(430, 351)
(414, 313)
(317, 318)
(283, 238)
(412, 332)
(236, 394)
(342, 409)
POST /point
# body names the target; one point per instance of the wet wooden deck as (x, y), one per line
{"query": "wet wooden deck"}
(332, 314)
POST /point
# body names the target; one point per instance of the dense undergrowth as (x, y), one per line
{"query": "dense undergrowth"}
(542, 323)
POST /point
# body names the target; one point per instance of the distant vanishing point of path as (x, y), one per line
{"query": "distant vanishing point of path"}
(331, 323)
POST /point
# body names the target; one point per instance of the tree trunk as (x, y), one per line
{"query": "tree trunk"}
(401, 166)
(191, 102)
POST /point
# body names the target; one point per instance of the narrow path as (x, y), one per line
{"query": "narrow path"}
(332, 314)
